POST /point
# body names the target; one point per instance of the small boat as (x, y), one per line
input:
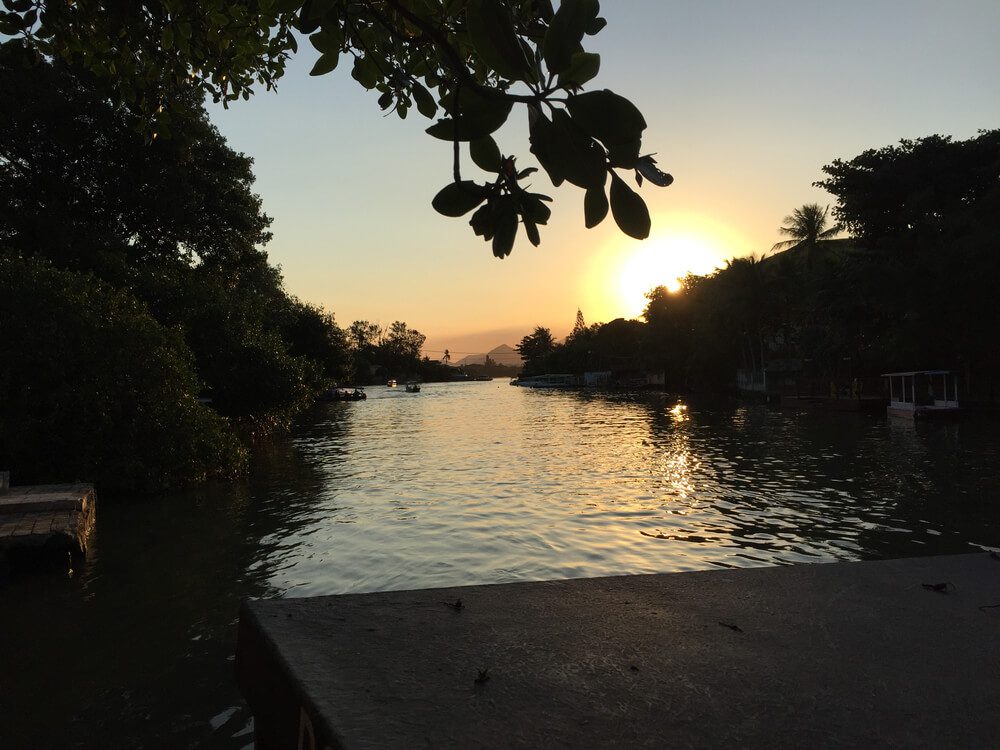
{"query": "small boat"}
(413, 387)
(391, 384)
(343, 394)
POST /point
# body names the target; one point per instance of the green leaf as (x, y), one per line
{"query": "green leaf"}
(583, 67)
(566, 31)
(424, 101)
(325, 64)
(607, 116)
(629, 209)
(596, 26)
(366, 72)
(385, 101)
(491, 29)
(458, 198)
(506, 229)
(595, 206)
(486, 154)
(328, 40)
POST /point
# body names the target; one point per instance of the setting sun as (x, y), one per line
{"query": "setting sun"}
(664, 261)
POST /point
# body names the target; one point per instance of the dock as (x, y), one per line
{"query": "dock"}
(898, 653)
(46, 520)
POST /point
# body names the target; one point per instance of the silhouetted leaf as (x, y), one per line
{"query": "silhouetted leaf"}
(583, 67)
(575, 155)
(458, 198)
(482, 222)
(646, 167)
(533, 207)
(541, 134)
(566, 30)
(424, 101)
(385, 101)
(478, 116)
(506, 229)
(595, 207)
(610, 118)
(486, 154)
(491, 29)
(629, 209)
(366, 72)
(531, 230)
(596, 26)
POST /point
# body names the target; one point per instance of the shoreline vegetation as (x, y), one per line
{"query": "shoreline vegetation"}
(147, 342)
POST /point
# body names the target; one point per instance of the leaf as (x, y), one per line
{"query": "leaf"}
(325, 64)
(491, 29)
(541, 135)
(328, 40)
(646, 167)
(575, 155)
(607, 116)
(583, 67)
(424, 101)
(531, 229)
(596, 26)
(366, 72)
(483, 223)
(595, 206)
(533, 207)
(629, 209)
(385, 101)
(458, 198)
(486, 154)
(506, 230)
(566, 31)
(478, 116)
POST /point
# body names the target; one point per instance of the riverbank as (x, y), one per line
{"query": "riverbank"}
(898, 653)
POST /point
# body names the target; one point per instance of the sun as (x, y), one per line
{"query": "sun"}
(664, 261)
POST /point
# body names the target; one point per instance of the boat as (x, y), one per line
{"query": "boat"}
(343, 394)
(391, 384)
(923, 394)
(548, 381)
(413, 387)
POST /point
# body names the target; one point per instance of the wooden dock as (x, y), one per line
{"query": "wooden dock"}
(48, 519)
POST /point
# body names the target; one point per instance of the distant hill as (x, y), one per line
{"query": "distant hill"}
(502, 355)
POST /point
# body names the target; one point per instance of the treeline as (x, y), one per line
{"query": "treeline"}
(145, 339)
(914, 287)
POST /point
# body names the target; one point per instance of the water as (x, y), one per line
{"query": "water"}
(460, 484)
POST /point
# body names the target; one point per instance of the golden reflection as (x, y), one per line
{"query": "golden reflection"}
(679, 412)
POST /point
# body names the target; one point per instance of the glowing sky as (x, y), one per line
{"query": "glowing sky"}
(745, 103)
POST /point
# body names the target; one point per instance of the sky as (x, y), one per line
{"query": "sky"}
(745, 103)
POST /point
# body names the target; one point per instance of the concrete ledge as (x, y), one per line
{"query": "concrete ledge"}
(838, 655)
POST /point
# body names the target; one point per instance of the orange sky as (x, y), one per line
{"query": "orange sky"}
(745, 104)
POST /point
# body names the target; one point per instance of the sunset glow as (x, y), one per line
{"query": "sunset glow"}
(664, 261)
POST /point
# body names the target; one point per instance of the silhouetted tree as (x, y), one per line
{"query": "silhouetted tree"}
(465, 63)
(535, 346)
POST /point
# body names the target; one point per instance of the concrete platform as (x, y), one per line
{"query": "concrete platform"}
(835, 655)
(50, 518)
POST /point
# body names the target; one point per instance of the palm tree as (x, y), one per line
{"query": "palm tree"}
(806, 226)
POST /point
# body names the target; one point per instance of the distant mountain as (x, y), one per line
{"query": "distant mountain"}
(502, 355)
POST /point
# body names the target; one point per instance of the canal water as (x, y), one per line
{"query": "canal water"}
(463, 483)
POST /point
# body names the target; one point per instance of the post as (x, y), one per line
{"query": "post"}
(4, 480)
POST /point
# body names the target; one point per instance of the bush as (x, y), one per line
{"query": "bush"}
(92, 388)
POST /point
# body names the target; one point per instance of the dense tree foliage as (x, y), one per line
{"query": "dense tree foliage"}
(174, 225)
(465, 63)
(534, 347)
(93, 388)
(915, 289)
